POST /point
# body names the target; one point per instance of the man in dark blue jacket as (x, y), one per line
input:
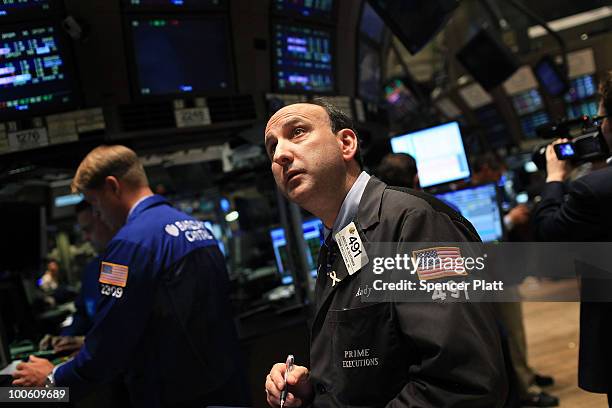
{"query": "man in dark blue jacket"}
(585, 216)
(98, 234)
(164, 322)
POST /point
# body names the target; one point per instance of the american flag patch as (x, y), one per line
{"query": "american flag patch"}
(113, 274)
(438, 262)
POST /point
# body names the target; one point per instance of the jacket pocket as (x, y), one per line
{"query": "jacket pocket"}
(365, 354)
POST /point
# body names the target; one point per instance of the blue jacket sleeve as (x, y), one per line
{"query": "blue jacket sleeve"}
(82, 319)
(121, 318)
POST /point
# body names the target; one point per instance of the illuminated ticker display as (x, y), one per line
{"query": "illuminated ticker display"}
(33, 72)
(12, 8)
(303, 59)
(305, 8)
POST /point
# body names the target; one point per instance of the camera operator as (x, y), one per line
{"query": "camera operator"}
(585, 216)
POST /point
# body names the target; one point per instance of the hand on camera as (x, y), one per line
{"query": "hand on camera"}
(556, 170)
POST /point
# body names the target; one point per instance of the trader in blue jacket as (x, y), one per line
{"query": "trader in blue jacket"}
(164, 322)
(98, 234)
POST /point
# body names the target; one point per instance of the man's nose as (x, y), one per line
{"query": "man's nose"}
(282, 153)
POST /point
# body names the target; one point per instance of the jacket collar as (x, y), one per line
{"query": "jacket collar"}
(145, 204)
(369, 206)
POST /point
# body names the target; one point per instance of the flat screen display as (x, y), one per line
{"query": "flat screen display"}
(415, 22)
(550, 77)
(314, 237)
(24, 10)
(181, 55)
(36, 76)
(529, 123)
(581, 88)
(303, 59)
(321, 9)
(480, 205)
(527, 102)
(438, 151)
(169, 5)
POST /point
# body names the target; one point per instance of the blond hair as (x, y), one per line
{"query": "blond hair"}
(103, 161)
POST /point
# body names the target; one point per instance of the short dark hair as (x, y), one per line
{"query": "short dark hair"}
(397, 169)
(605, 90)
(489, 159)
(82, 206)
(339, 120)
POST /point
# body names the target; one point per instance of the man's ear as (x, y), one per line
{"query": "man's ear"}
(348, 143)
(113, 185)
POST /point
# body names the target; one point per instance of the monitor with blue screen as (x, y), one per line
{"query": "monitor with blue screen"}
(164, 61)
(438, 151)
(36, 72)
(313, 235)
(303, 58)
(480, 205)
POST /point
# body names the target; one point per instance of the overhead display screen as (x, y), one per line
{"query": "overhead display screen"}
(181, 56)
(303, 59)
(322, 9)
(35, 72)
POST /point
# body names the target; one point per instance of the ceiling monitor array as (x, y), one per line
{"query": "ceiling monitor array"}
(164, 62)
(302, 58)
(36, 70)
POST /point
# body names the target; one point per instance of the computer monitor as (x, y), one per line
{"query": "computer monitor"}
(174, 5)
(177, 56)
(312, 9)
(36, 72)
(314, 237)
(438, 151)
(303, 59)
(415, 22)
(371, 25)
(481, 206)
(370, 73)
(400, 99)
(25, 10)
(581, 88)
(588, 108)
(552, 79)
(529, 123)
(527, 102)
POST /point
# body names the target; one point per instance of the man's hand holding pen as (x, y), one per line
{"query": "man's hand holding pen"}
(300, 389)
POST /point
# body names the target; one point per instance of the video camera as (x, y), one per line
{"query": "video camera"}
(586, 143)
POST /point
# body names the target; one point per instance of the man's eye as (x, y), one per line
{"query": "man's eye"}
(298, 131)
(271, 149)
